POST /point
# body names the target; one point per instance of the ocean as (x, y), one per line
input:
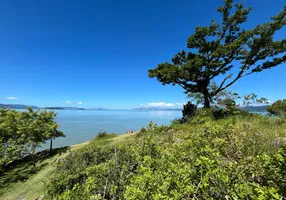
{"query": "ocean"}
(82, 125)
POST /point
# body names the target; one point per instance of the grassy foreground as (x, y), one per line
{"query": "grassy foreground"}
(23, 181)
(237, 157)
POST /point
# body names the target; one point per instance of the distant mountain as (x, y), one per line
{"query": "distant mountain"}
(73, 108)
(157, 109)
(22, 106)
(54, 108)
(63, 108)
(255, 108)
(96, 109)
(16, 106)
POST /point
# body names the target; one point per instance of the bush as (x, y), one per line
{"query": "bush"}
(219, 113)
(278, 108)
(189, 110)
(237, 157)
(143, 130)
(102, 134)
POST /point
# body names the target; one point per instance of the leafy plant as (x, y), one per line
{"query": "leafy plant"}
(278, 108)
(22, 132)
(189, 110)
(101, 134)
(237, 157)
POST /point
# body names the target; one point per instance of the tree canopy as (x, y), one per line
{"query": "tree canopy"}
(226, 50)
(278, 108)
(22, 132)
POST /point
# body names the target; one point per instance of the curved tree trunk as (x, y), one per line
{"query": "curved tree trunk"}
(51, 145)
(207, 101)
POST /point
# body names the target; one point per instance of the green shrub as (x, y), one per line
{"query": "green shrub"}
(278, 108)
(219, 113)
(189, 110)
(143, 130)
(237, 157)
(104, 135)
(101, 134)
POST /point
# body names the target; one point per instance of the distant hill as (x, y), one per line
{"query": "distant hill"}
(63, 108)
(157, 109)
(96, 109)
(22, 106)
(16, 106)
(255, 108)
(54, 108)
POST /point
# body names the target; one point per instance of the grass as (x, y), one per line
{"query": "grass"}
(26, 182)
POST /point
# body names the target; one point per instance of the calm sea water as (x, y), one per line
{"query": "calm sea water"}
(82, 125)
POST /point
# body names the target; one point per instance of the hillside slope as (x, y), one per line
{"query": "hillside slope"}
(239, 157)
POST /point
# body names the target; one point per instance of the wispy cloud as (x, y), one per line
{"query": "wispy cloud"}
(180, 104)
(80, 103)
(161, 105)
(68, 102)
(11, 98)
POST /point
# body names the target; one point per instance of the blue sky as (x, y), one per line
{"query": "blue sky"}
(57, 53)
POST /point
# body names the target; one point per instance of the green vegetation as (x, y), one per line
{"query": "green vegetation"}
(278, 108)
(23, 180)
(237, 157)
(215, 152)
(210, 156)
(220, 50)
(26, 181)
(22, 132)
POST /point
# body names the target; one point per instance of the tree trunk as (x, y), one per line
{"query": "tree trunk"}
(33, 154)
(51, 145)
(207, 102)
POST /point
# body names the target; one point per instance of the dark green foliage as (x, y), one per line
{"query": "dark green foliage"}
(225, 49)
(219, 113)
(189, 110)
(239, 157)
(278, 108)
(223, 113)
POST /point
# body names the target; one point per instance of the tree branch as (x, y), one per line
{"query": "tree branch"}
(221, 85)
(221, 88)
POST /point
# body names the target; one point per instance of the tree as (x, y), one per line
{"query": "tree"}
(11, 141)
(278, 108)
(224, 50)
(43, 127)
(22, 132)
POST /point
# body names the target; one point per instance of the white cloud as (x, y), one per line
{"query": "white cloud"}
(158, 104)
(67, 102)
(162, 105)
(180, 104)
(11, 98)
(80, 103)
